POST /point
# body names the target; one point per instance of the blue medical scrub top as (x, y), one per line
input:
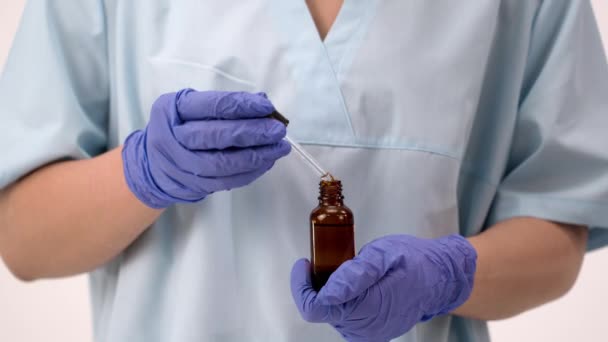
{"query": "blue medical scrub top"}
(440, 117)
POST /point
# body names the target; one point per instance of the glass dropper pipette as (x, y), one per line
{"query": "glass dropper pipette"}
(307, 157)
(300, 150)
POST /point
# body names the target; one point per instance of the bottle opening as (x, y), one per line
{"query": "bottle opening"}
(330, 191)
(328, 177)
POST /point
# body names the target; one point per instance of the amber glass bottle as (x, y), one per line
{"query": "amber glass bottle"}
(332, 232)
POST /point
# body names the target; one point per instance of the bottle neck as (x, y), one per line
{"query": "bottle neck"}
(330, 193)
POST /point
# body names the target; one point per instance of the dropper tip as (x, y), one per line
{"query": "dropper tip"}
(328, 177)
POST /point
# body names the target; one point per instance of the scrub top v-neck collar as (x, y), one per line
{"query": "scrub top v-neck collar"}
(318, 65)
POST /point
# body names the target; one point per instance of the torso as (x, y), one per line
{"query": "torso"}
(387, 103)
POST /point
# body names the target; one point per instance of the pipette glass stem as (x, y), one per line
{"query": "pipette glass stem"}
(307, 157)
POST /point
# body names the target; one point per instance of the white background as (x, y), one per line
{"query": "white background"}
(58, 310)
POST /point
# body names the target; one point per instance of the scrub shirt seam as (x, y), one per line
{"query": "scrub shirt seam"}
(412, 148)
(308, 57)
(341, 49)
(337, 28)
(511, 195)
(363, 22)
(584, 213)
(202, 66)
(339, 88)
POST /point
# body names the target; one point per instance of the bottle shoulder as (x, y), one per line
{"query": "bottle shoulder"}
(332, 215)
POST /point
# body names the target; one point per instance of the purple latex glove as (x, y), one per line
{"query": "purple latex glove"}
(197, 143)
(395, 282)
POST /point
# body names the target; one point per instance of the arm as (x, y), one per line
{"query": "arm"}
(69, 217)
(397, 281)
(523, 263)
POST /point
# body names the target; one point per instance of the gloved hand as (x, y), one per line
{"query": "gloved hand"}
(197, 143)
(395, 282)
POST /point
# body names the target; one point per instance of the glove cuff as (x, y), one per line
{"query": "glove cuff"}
(137, 173)
(460, 259)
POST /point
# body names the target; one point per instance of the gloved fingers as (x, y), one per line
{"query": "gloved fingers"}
(235, 161)
(182, 186)
(222, 134)
(208, 105)
(190, 188)
(304, 296)
(355, 276)
(236, 181)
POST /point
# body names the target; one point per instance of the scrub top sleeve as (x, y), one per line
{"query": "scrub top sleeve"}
(558, 164)
(54, 89)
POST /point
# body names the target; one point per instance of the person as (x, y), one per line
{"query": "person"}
(470, 139)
